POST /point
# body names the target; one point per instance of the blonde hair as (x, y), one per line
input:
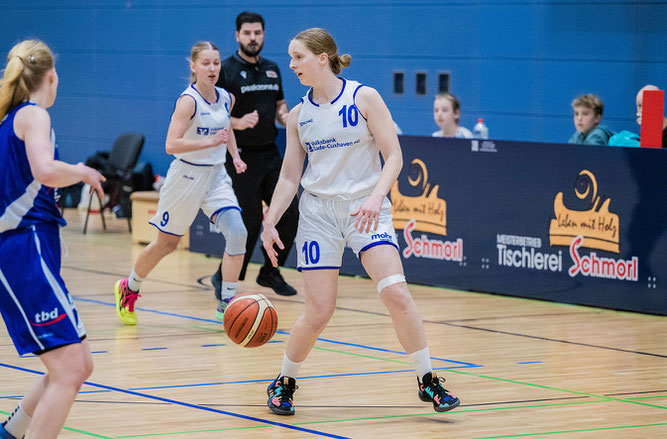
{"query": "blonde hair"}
(456, 105)
(27, 63)
(318, 41)
(196, 50)
(590, 101)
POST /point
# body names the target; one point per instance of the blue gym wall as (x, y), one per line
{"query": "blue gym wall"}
(517, 64)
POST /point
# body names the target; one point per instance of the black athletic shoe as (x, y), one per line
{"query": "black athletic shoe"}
(431, 390)
(216, 280)
(273, 279)
(280, 393)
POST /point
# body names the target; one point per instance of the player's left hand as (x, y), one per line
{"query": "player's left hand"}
(240, 166)
(368, 214)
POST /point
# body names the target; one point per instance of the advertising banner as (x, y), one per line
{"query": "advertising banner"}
(568, 223)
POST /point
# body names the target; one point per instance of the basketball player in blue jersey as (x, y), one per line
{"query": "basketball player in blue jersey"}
(342, 126)
(35, 304)
(199, 137)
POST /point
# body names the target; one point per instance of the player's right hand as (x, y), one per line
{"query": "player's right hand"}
(220, 137)
(269, 237)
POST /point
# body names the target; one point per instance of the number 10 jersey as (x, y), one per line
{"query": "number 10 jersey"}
(343, 158)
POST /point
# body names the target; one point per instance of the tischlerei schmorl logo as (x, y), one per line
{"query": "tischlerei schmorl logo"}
(425, 212)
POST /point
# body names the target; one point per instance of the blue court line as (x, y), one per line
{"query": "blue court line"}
(99, 302)
(528, 362)
(264, 380)
(194, 406)
(153, 349)
(212, 345)
(221, 383)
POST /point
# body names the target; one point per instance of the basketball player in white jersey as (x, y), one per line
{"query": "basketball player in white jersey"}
(342, 126)
(40, 315)
(199, 137)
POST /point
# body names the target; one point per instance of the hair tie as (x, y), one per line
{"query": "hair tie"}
(31, 59)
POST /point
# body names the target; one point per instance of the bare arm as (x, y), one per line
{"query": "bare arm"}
(180, 119)
(282, 112)
(33, 125)
(287, 186)
(381, 126)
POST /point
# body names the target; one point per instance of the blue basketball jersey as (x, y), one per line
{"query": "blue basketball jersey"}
(24, 201)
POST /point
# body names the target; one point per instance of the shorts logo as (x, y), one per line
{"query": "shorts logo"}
(45, 318)
(384, 235)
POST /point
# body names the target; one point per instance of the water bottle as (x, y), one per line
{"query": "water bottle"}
(480, 131)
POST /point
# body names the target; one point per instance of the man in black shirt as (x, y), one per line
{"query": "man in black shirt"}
(256, 85)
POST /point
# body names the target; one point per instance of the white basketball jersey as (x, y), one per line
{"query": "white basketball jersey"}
(343, 158)
(207, 120)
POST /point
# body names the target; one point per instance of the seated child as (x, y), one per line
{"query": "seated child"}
(587, 116)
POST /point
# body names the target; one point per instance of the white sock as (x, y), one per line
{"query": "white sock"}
(421, 360)
(134, 281)
(18, 422)
(228, 290)
(290, 368)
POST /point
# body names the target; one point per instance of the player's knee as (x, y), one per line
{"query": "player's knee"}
(319, 316)
(230, 223)
(235, 240)
(166, 246)
(396, 296)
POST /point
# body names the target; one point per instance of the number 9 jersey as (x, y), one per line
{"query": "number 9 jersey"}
(343, 158)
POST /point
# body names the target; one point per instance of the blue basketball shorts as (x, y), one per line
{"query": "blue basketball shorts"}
(35, 304)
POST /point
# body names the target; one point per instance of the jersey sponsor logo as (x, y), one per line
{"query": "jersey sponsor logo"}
(244, 74)
(320, 144)
(271, 74)
(202, 131)
(305, 122)
(204, 113)
(259, 87)
(46, 318)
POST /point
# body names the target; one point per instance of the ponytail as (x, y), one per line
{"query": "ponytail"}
(27, 63)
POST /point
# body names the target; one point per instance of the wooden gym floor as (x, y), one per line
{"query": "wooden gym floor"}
(522, 368)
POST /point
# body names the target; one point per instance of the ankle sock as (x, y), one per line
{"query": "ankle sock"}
(290, 368)
(134, 281)
(421, 361)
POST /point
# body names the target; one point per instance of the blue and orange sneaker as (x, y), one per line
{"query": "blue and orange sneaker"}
(125, 299)
(431, 390)
(222, 306)
(280, 393)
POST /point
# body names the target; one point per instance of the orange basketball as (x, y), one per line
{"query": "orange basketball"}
(250, 320)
